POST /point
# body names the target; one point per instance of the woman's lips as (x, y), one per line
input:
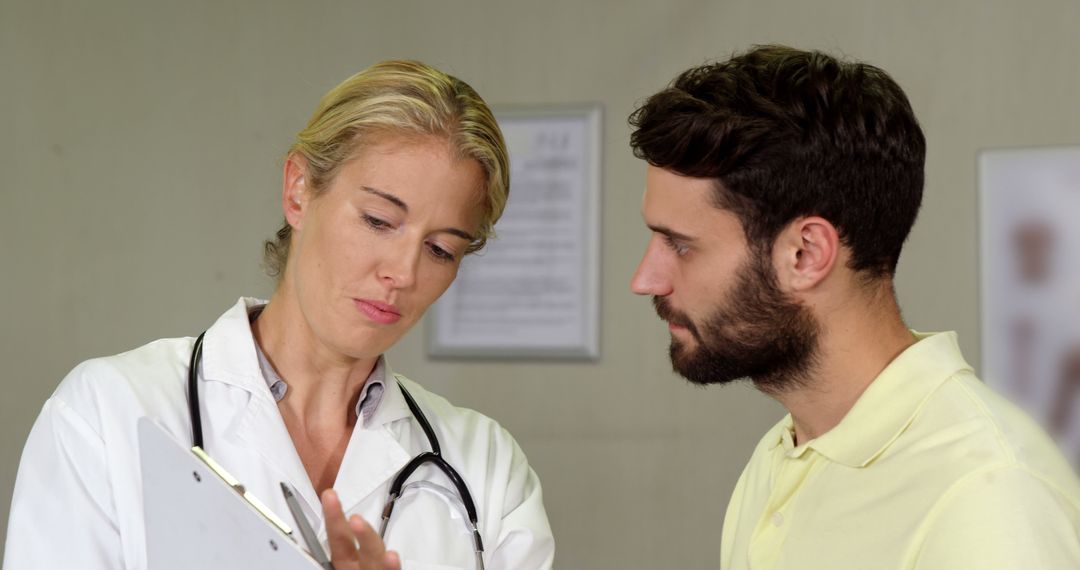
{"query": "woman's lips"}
(378, 312)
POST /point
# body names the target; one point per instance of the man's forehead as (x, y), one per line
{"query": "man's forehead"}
(671, 195)
(685, 206)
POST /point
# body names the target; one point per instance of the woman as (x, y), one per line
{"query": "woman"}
(400, 173)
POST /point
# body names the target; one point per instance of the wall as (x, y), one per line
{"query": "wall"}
(139, 172)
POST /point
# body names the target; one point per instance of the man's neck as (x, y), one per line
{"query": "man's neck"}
(857, 342)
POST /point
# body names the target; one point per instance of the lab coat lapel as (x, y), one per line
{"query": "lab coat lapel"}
(263, 432)
(374, 454)
(261, 448)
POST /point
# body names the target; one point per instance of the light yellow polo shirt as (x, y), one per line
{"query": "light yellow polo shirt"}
(930, 469)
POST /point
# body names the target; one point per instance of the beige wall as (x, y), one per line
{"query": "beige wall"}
(139, 174)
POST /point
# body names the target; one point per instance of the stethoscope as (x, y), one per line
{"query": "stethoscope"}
(398, 485)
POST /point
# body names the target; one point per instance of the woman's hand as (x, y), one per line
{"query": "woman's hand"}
(354, 545)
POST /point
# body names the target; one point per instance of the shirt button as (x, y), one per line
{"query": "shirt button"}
(777, 518)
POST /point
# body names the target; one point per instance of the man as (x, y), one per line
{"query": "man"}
(780, 189)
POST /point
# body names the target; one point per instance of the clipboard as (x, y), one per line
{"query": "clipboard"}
(199, 516)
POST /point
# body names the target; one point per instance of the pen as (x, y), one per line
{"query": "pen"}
(305, 527)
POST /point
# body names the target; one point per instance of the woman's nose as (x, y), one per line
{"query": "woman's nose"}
(399, 266)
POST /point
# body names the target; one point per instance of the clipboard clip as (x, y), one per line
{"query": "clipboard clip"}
(239, 488)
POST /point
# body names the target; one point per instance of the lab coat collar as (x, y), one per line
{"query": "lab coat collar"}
(229, 349)
(393, 406)
(230, 356)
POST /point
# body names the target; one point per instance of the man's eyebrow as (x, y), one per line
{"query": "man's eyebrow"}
(670, 233)
(388, 197)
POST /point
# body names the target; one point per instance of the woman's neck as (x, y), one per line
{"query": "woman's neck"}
(324, 383)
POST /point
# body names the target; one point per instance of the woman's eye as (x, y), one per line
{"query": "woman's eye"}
(675, 246)
(440, 253)
(376, 224)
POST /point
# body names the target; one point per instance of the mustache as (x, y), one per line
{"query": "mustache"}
(672, 315)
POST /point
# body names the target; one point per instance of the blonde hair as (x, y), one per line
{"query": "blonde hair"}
(399, 98)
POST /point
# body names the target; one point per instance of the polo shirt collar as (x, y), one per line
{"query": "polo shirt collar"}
(887, 406)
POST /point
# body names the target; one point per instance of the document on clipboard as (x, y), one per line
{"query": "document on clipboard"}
(199, 516)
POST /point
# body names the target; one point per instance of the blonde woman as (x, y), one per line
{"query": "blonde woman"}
(400, 173)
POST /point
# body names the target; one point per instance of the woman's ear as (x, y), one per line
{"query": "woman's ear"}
(294, 189)
(805, 253)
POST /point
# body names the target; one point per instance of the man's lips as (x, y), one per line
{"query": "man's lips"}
(378, 311)
(666, 313)
(676, 320)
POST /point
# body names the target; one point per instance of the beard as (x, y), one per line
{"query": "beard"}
(757, 333)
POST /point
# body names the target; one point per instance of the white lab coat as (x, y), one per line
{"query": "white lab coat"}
(78, 497)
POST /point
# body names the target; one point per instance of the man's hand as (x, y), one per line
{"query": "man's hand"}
(354, 545)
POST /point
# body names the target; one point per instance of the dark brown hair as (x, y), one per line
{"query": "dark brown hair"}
(790, 133)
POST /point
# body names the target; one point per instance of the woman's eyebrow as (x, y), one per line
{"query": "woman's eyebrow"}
(405, 208)
(388, 197)
(459, 233)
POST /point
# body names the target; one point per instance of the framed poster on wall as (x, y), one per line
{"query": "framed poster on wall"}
(534, 291)
(1029, 234)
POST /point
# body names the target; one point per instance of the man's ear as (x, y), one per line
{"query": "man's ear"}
(295, 193)
(805, 253)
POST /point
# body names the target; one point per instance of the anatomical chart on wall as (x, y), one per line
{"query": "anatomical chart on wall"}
(1029, 233)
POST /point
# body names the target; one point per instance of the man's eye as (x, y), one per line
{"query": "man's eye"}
(675, 246)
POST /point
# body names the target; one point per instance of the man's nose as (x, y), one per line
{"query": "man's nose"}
(652, 276)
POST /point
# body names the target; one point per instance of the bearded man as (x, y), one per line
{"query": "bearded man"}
(780, 188)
